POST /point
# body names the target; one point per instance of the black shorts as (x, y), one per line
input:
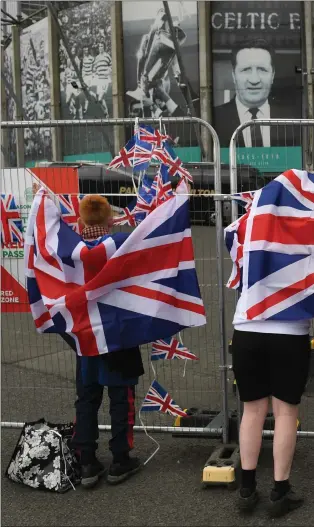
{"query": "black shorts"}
(268, 364)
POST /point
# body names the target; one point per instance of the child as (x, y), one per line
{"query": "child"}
(119, 371)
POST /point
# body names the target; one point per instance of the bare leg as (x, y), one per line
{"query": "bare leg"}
(285, 438)
(251, 432)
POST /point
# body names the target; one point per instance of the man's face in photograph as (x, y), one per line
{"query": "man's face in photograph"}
(101, 48)
(253, 76)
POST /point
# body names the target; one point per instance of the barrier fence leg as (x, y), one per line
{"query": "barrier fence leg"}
(223, 465)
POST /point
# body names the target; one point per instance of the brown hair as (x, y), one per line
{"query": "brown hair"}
(95, 210)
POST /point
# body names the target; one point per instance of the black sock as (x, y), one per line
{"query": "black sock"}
(248, 481)
(281, 488)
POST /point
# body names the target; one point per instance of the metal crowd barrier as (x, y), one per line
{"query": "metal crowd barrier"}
(38, 372)
(291, 133)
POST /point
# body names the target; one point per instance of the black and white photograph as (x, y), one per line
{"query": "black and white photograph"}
(154, 84)
(87, 28)
(9, 145)
(256, 51)
(35, 83)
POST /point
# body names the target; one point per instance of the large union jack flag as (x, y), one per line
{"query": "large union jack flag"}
(170, 349)
(11, 222)
(274, 251)
(128, 290)
(244, 198)
(158, 400)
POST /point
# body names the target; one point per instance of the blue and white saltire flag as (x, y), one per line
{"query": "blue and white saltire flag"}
(273, 245)
(127, 291)
(158, 400)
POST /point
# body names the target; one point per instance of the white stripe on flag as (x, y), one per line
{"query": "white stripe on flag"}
(153, 308)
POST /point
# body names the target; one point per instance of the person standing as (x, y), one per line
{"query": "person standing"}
(102, 69)
(87, 71)
(271, 360)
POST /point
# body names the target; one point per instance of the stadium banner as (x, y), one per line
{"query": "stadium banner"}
(87, 28)
(35, 83)
(154, 86)
(256, 50)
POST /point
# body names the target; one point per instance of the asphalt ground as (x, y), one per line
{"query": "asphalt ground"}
(168, 492)
(38, 381)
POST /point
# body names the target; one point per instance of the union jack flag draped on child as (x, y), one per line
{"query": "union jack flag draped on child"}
(272, 250)
(126, 291)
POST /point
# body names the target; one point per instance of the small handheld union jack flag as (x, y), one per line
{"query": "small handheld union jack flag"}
(127, 216)
(125, 156)
(167, 155)
(158, 400)
(152, 135)
(142, 155)
(163, 185)
(11, 222)
(170, 349)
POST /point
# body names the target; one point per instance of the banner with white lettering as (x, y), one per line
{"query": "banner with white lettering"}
(256, 55)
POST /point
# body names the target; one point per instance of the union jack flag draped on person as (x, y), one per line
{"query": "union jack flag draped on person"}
(126, 291)
(273, 255)
(158, 400)
(244, 198)
(170, 349)
(11, 222)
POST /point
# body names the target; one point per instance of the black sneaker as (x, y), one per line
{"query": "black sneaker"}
(91, 473)
(287, 503)
(247, 500)
(119, 472)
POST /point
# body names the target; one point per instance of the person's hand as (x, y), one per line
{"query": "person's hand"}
(36, 188)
